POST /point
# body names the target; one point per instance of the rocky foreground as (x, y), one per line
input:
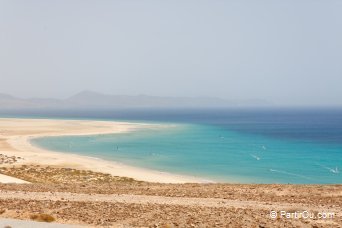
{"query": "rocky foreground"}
(82, 197)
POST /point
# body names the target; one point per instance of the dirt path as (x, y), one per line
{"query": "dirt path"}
(145, 199)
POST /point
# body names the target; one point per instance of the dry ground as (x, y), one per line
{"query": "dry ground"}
(97, 199)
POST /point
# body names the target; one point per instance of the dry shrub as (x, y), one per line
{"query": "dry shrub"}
(42, 218)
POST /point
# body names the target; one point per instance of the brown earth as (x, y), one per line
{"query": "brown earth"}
(97, 199)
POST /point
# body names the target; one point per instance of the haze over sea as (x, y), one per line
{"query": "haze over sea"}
(245, 146)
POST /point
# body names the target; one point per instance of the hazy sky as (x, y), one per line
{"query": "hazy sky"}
(286, 52)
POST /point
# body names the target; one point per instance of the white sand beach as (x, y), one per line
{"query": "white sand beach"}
(9, 180)
(15, 136)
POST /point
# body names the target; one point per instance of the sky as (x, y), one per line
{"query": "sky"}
(284, 52)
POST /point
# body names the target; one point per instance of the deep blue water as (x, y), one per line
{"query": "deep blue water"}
(250, 146)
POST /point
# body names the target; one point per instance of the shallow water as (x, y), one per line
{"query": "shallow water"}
(278, 147)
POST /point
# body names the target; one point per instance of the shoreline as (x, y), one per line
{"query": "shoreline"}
(65, 190)
(20, 145)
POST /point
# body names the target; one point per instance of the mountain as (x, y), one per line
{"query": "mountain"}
(10, 102)
(90, 99)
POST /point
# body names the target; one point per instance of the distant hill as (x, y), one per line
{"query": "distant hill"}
(90, 99)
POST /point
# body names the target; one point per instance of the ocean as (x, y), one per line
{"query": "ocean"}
(299, 146)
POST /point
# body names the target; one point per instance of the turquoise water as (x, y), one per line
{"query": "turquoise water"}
(213, 152)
